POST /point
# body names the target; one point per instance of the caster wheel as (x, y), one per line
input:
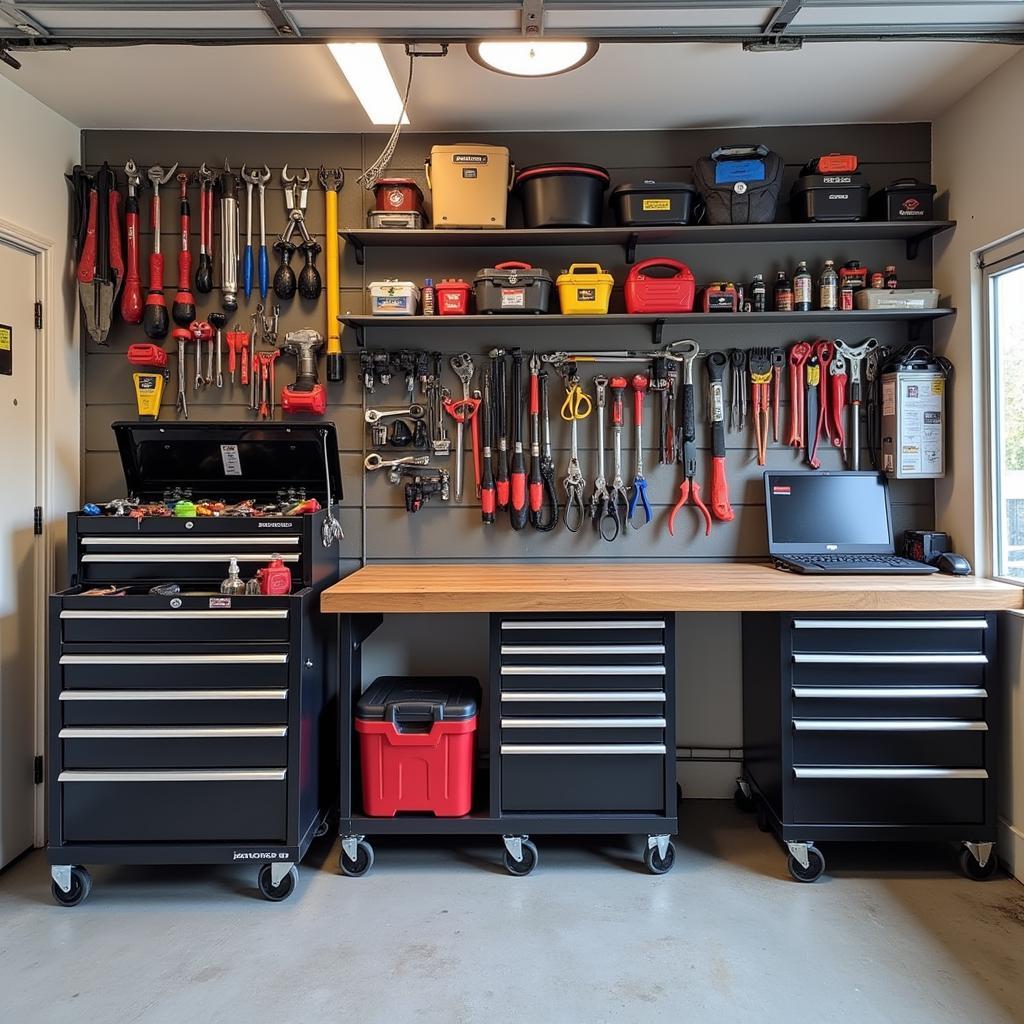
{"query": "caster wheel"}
(363, 862)
(524, 866)
(973, 870)
(655, 863)
(743, 802)
(81, 886)
(815, 866)
(763, 821)
(283, 889)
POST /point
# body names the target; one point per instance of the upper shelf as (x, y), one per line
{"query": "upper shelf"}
(913, 233)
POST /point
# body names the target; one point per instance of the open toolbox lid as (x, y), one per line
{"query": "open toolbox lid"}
(419, 699)
(233, 461)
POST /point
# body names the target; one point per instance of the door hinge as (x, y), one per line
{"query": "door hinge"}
(37, 520)
(39, 316)
(37, 770)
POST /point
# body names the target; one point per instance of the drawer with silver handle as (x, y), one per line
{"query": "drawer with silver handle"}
(224, 706)
(899, 670)
(583, 631)
(568, 728)
(173, 667)
(531, 674)
(185, 564)
(919, 634)
(246, 620)
(174, 746)
(582, 703)
(889, 701)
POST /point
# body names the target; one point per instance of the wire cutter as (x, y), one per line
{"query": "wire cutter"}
(577, 406)
(602, 502)
(689, 487)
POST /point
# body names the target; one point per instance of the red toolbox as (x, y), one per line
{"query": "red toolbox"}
(417, 741)
(647, 294)
(453, 297)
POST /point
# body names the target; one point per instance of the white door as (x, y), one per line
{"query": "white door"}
(20, 604)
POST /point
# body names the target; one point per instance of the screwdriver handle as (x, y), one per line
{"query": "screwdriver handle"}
(618, 387)
(264, 272)
(247, 271)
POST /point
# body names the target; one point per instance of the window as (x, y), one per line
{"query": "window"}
(1005, 281)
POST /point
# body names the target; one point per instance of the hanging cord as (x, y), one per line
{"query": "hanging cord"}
(331, 530)
(376, 170)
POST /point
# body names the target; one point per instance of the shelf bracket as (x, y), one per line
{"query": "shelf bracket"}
(357, 248)
(631, 244)
(360, 331)
(659, 331)
(914, 242)
(914, 330)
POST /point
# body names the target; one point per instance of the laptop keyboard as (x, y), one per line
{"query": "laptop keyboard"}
(850, 561)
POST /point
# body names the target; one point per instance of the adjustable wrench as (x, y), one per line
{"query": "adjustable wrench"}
(182, 336)
(375, 415)
(462, 364)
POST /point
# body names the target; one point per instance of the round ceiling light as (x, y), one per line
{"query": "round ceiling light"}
(532, 58)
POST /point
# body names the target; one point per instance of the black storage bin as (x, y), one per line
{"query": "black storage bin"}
(906, 199)
(562, 195)
(740, 184)
(419, 699)
(653, 203)
(829, 197)
(512, 287)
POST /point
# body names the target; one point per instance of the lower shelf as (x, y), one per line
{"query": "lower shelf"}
(483, 824)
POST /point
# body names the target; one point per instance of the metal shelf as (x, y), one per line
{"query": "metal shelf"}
(629, 238)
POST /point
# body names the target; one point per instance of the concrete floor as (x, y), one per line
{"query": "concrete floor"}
(439, 933)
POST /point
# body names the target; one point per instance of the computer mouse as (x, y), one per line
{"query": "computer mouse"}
(952, 563)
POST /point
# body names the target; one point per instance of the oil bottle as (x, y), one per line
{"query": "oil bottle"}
(783, 294)
(828, 287)
(802, 287)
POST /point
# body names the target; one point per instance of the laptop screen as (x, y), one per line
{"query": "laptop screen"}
(816, 513)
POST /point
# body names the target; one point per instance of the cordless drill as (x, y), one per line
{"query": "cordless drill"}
(307, 394)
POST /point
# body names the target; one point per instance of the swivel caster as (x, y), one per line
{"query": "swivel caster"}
(70, 885)
(659, 855)
(276, 881)
(743, 798)
(356, 856)
(805, 862)
(520, 855)
(971, 856)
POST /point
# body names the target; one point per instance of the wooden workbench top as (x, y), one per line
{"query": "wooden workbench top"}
(708, 587)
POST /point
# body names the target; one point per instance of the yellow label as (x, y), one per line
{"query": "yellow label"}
(938, 386)
(656, 204)
(5, 338)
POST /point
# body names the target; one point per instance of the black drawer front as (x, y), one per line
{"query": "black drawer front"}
(534, 675)
(168, 707)
(551, 703)
(269, 625)
(620, 658)
(942, 748)
(625, 782)
(183, 567)
(166, 668)
(585, 631)
(889, 702)
(924, 635)
(154, 811)
(173, 747)
(849, 670)
(888, 802)
(566, 729)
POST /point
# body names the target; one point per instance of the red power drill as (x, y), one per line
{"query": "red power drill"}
(307, 394)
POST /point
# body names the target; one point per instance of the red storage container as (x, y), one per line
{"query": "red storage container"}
(417, 741)
(398, 195)
(647, 294)
(453, 297)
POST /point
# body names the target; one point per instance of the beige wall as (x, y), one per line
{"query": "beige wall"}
(34, 197)
(987, 207)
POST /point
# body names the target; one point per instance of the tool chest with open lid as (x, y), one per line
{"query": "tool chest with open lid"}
(192, 727)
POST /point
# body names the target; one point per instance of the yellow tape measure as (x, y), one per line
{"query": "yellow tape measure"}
(149, 389)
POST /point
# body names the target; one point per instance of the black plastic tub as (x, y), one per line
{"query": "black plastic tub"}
(829, 197)
(906, 199)
(562, 195)
(653, 203)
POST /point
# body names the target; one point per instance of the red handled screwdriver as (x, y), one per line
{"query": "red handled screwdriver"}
(518, 505)
(487, 491)
(501, 426)
(536, 477)
(183, 311)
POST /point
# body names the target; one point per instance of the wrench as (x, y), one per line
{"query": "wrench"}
(182, 336)
(855, 356)
(375, 415)
(374, 461)
(462, 364)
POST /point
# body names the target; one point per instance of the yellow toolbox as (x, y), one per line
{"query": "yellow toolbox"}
(584, 288)
(469, 185)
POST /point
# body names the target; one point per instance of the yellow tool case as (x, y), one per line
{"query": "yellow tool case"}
(469, 185)
(584, 288)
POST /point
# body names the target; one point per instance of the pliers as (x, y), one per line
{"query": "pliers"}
(689, 486)
(639, 495)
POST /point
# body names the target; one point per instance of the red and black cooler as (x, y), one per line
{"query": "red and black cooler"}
(417, 741)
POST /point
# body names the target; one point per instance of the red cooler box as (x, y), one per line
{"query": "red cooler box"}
(417, 740)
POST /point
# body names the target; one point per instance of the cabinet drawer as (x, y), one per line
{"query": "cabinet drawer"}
(143, 560)
(583, 777)
(580, 703)
(966, 702)
(866, 796)
(231, 806)
(588, 729)
(621, 631)
(266, 625)
(889, 669)
(532, 675)
(172, 669)
(176, 746)
(949, 743)
(174, 707)
(924, 635)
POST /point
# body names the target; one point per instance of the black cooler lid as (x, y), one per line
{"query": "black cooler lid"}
(646, 187)
(232, 461)
(419, 699)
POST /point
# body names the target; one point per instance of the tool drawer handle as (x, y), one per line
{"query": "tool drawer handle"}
(584, 624)
(180, 775)
(890, 659)
(174, 659)
(583, 696)
(583, 723)
(583, 749)
(151, 695)
(184, 613)
(146, 557)
(583, 670)
(187, 541)
(169, 732)
(888, 725)
(890, 692)
(582, 648)
(889, 774)
(890, 624)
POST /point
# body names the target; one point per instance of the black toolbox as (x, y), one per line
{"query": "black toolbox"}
(194, 727)
(653, 203)
(512, 287)
(905, 199)
(829, 197)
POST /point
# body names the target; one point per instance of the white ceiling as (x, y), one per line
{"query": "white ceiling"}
(280, 87)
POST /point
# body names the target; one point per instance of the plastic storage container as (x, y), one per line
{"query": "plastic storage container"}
(906, 199)
(393, 298)
(469, 185)
(896, 298)
(453, 297)
(659, 294)
(562, 195)
(512, 287)
(829, 197)
(398, 195)
(653, 203)
(417, 739)
(584, 288)
(394, 221)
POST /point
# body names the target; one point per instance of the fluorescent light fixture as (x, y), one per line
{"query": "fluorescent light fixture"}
(366, 71)
(535, 58)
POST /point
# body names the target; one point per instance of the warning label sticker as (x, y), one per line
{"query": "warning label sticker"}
(654, 205)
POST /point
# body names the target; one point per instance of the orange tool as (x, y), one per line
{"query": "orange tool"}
(837, 401)
(238, 343)
(761, 373)
(798, 356)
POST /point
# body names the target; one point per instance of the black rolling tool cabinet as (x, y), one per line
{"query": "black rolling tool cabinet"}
(580, 720)
(871, 727)
(196, 728)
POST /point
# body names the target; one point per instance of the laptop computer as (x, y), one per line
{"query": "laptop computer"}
(833, 523)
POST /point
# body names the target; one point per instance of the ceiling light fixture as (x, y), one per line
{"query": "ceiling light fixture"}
(535, 58)
(366, 71)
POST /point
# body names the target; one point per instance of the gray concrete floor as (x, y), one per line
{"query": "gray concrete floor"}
(441, 933)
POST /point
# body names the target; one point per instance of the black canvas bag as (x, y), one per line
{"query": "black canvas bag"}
(740, 184)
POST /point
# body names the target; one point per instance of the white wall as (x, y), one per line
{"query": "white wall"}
(40, 146)
(978, 149)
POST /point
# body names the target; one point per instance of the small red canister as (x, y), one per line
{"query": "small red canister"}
(453, 297)
(276, 578)
(398, 195)
(645, 293)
